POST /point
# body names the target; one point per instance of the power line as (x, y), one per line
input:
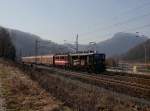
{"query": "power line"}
(118, 24)
(130, 10)
(124, 22)
(131, 29)
(140, 27)
(134, 9)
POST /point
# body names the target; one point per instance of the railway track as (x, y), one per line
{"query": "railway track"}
(134, 80)
(107, 79)
(109, 82)
(143, 76)
(112, 80)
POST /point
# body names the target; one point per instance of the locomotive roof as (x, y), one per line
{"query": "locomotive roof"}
(75, 54)
(84, 54)
(62, 55)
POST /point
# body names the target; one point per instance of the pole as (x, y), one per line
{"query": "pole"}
(93, 46)
(36, 50)
(77, 43)
(20, 54)
(145, 53)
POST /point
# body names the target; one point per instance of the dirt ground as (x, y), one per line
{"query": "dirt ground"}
(19, 93)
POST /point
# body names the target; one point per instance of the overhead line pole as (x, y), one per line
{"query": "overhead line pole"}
(36, 49)
(145, 50)
(77, 44)
(145, 53)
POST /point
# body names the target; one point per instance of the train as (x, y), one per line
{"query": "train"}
(87, 61)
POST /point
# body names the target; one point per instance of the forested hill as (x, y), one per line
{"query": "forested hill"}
(7, 48)
(25, 44)
(138, 53)
(120, 43)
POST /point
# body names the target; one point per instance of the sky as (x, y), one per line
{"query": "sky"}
(62, 20)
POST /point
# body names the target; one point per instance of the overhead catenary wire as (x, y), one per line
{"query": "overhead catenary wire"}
(134, 9)
(122, 22)
(129, 11)
(118, 24)
(140, 27)
(131, 29)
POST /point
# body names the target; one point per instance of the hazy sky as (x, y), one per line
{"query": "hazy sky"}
(59, 20)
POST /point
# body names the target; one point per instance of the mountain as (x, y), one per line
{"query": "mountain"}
(120, 43)
(25, 44)
(139, 53)
(117, 45)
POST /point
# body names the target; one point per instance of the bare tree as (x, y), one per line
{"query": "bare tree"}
(7, 49)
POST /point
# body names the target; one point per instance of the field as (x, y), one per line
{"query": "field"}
(30, 89)
(85, 97)
(20, 93)
(135, 85)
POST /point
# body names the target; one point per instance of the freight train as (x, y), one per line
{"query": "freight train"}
(89, 61)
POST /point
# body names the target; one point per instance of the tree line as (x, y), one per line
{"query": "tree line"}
(7, 49)
(140, 53)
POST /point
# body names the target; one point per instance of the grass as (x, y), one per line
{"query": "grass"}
(84, 98)
(22, 94)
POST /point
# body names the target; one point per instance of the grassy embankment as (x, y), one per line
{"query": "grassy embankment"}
(84, 97)
(22, 94)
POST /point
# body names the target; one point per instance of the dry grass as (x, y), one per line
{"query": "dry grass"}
(22, 94)
(84, 98)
